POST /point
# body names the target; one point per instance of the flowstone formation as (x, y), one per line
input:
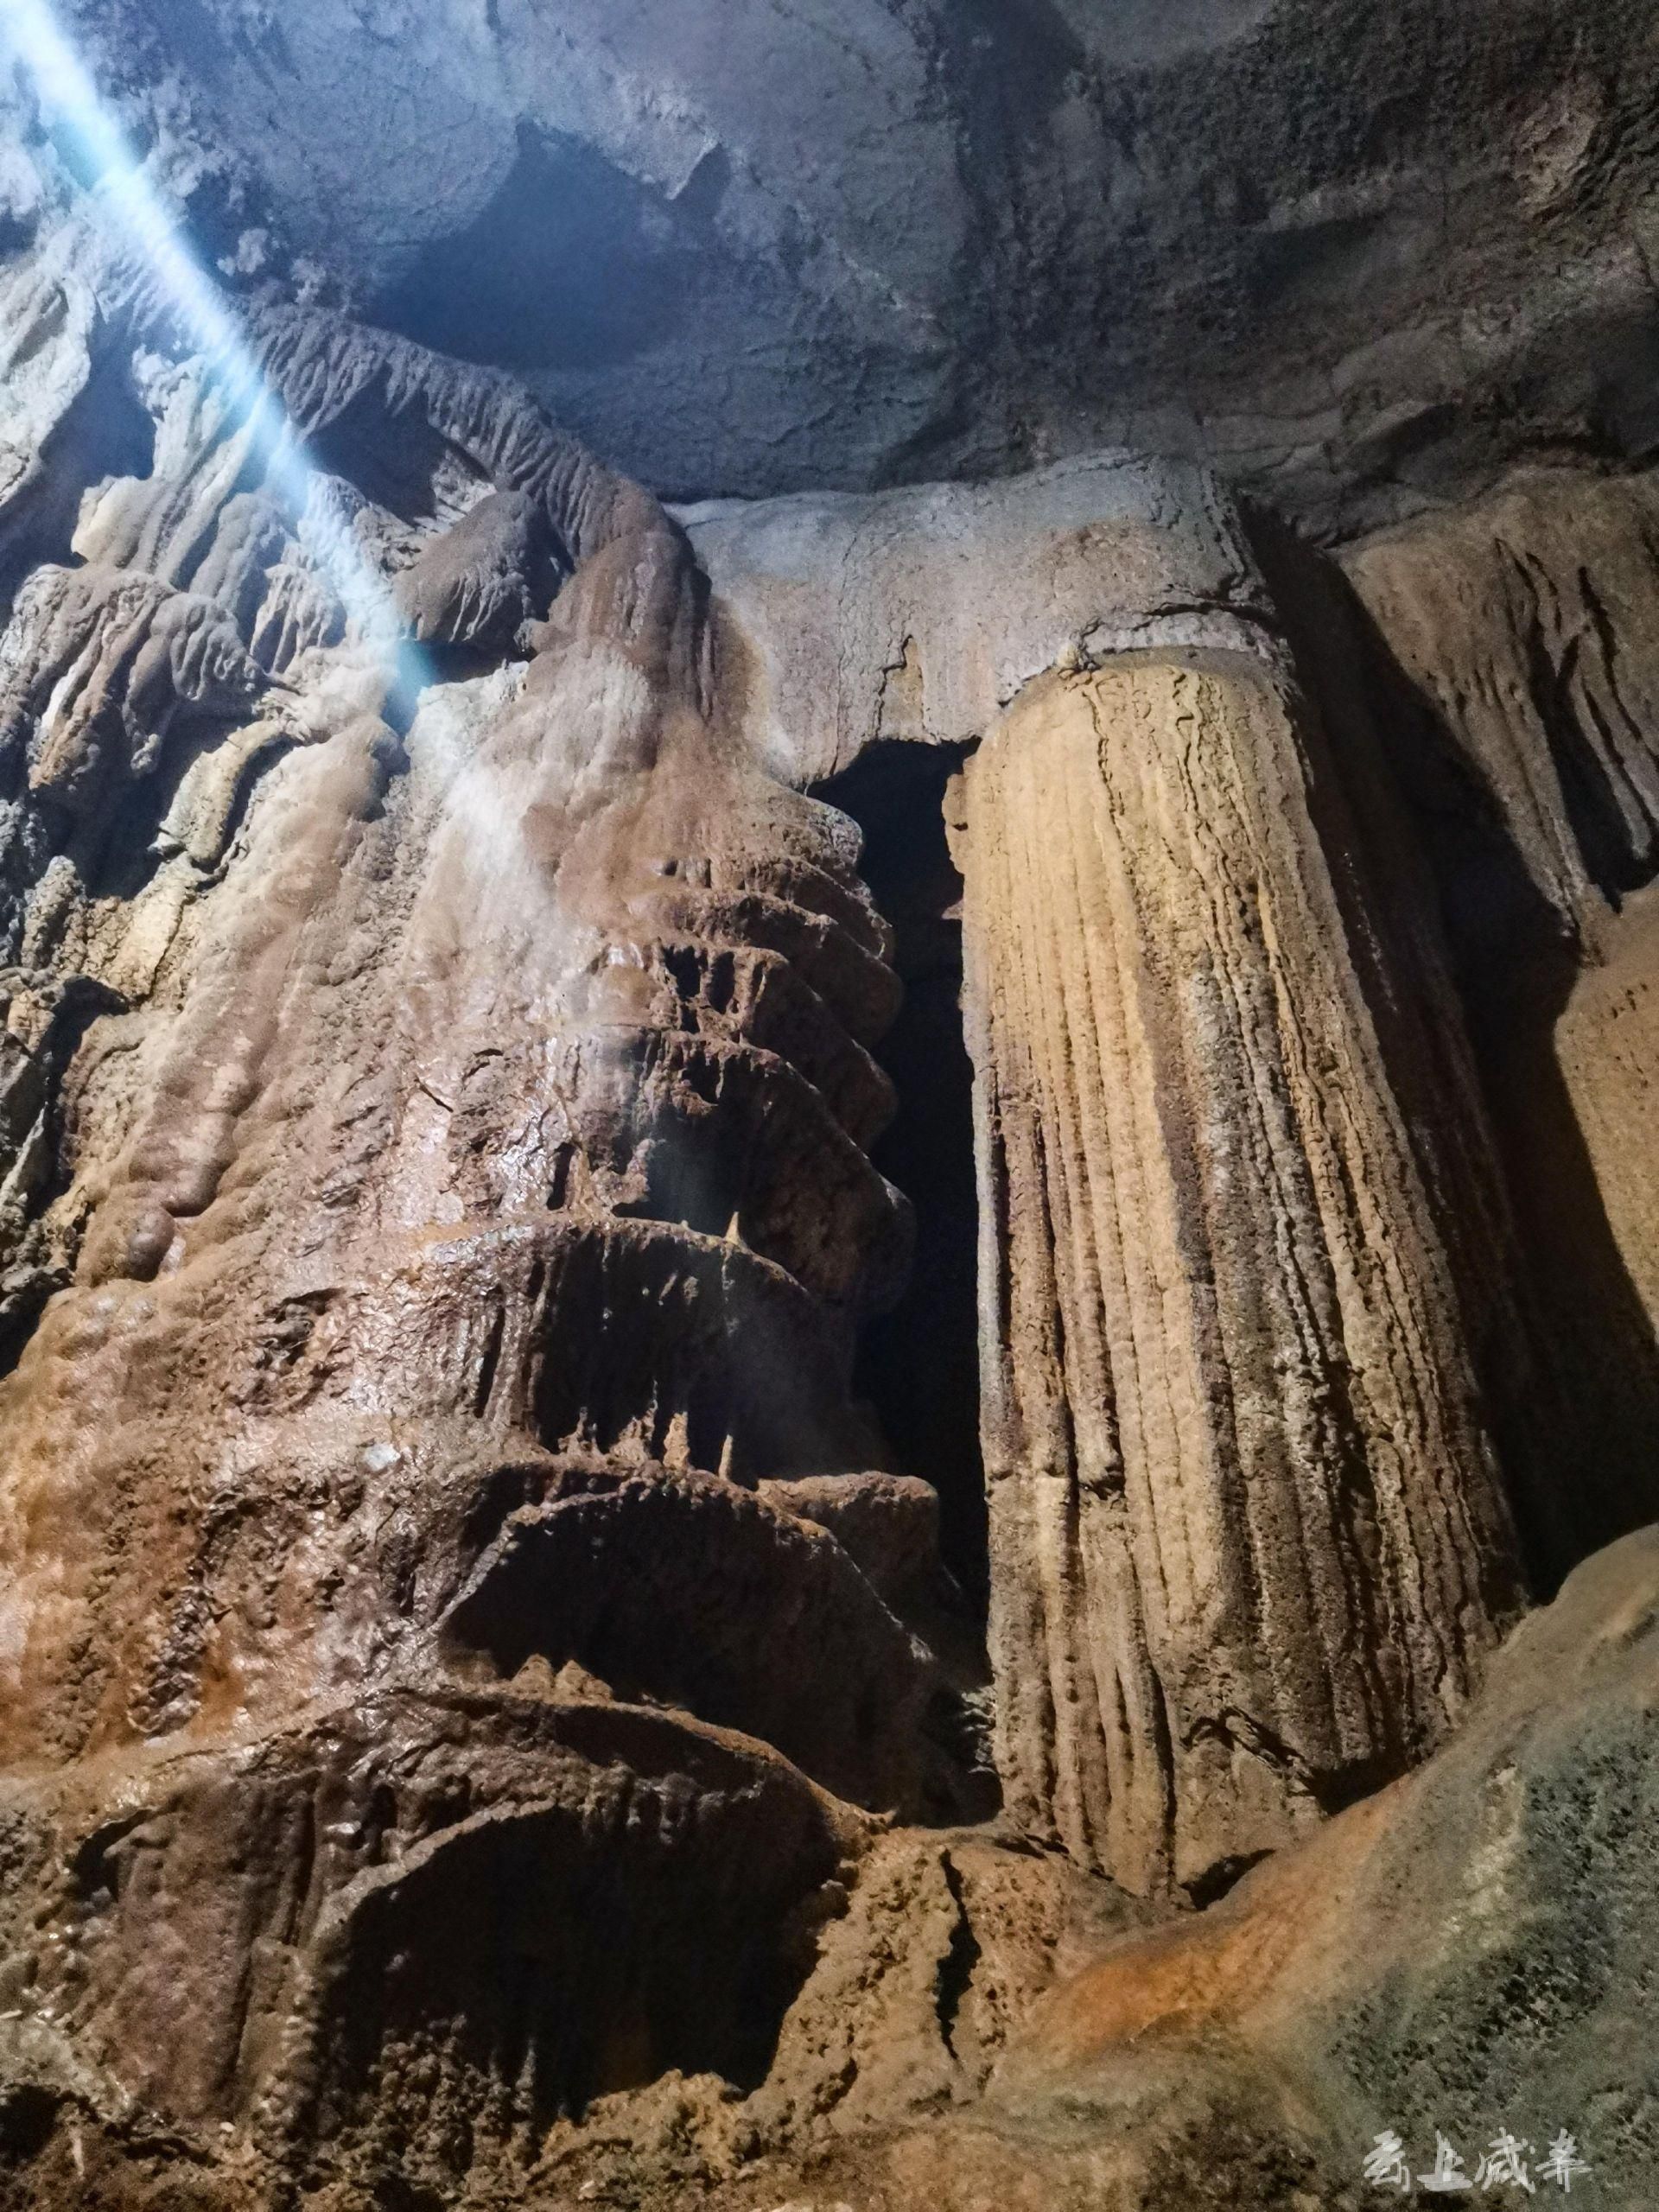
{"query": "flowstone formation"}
(1248, 1541)
(518, 1683)
(462, 1176)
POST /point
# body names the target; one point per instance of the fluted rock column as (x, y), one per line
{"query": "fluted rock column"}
(1247, 1541)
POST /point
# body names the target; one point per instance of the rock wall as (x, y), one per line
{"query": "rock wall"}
(439, 1097)
(1525, 630)
(858, 621)
(1508, 655)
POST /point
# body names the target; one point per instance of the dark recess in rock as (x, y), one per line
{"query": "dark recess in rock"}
(919, 1365)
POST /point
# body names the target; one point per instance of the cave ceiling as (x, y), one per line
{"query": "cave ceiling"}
(1359, 256)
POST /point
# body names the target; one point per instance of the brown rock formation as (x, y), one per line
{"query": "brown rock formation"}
(1523, 629)
(467, 1205)
(1247, 1539)
(1468, 1950)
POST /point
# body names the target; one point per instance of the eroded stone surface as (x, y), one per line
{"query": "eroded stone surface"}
(856, 621)
(1466, 1951)
(484, 1720)
(1515, 697)
(1360, 257)
(443, 1123)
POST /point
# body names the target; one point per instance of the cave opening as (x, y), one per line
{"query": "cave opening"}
(917, 1365)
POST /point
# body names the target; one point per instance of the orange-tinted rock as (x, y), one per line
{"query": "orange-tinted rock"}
(1248, 1539)
(1466, 1951)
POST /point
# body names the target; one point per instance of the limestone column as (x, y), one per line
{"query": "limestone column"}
(1246, 1541)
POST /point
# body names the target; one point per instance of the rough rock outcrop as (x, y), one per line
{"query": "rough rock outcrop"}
(854, 622)
(485, 1716)
(1469, 1951)
(1520, 683)
(441, 1109)
(1526, 627)
(1358, 257)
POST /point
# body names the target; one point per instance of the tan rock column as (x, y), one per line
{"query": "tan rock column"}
(1246, 1541)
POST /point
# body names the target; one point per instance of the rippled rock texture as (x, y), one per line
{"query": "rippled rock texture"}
(495, 1705)
(1247, 1539)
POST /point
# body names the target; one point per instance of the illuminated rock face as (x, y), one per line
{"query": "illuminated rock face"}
(481, 1707)
(460, 1194)
(1247, 1545)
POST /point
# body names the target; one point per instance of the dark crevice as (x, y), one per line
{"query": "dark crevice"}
(29, 1282)
(1164, 1752)
(956, 1969)
(559, 1185)
(1587, 791)
(28, 2114)
(573, 264)
(1215, 1882)
(489, 1363)
(1334, 1792)
(918, 1366)
(106, 433)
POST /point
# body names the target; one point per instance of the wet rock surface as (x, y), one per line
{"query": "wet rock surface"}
(517, 1685)
(1466, 1951)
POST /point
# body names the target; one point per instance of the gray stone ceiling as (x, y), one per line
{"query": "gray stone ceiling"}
(1361, 252)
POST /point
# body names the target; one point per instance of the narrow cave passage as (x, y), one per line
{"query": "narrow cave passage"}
(919, 1365)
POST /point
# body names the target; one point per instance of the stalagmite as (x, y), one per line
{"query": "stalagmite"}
(1247, 1544)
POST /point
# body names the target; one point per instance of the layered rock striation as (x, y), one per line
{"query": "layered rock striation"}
(440, 1109)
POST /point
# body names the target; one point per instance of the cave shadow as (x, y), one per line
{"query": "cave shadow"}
(573, 264)
(104, 432)
(1572, 1395)
(917, 1365)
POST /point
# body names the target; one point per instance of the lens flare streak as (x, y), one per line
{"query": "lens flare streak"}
(119, 185)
